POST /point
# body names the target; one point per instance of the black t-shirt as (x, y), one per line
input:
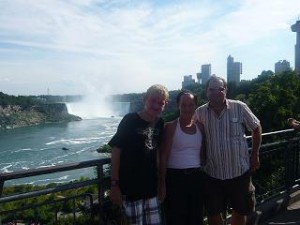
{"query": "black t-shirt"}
(138, 141)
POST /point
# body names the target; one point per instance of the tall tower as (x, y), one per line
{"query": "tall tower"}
(205, 73)
(234, 70)
(296, 28)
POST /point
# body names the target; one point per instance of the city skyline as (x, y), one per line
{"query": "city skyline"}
(92, 46)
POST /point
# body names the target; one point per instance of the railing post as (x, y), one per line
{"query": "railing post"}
(1, 192)
(291, 162)
(287, 166)
(100, 176)
(297, 163)
(1, 186)
(74, 212)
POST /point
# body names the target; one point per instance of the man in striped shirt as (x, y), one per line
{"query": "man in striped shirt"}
(228, 162)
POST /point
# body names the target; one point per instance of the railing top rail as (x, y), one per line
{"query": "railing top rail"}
(286, 131)
(56, 189)
(85, 164)
(53, 169)
(278, 132)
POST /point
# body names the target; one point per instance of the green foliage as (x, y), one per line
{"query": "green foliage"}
(275, 99)
(131, 97)
(22, 101)
(171, 115)
(104, 149)
(47, 213)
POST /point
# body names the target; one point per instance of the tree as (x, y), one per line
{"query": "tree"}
(275, 99)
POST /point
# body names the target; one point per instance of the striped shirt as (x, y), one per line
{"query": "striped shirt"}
(226, 144)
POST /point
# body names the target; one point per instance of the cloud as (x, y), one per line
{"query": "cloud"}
(136, 43)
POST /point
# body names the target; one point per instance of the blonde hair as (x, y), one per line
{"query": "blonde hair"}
(158, 88)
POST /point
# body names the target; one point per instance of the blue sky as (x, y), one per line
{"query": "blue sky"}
(108, 46)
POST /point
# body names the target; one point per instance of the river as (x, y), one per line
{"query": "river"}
(54, 144)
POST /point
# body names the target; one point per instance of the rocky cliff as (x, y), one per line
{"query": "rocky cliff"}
(13, 116)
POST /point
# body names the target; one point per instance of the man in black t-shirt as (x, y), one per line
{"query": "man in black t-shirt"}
(134, 154)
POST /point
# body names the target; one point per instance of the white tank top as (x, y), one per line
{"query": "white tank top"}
(185, 151)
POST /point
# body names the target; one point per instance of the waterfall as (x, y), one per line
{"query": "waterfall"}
(92, 110)
(120, 108)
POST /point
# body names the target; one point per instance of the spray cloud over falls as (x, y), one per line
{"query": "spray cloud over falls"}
(96, 104)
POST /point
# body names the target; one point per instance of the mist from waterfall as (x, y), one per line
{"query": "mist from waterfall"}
(90, 108)
(97, 102)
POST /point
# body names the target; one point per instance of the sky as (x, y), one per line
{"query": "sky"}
(82, 47)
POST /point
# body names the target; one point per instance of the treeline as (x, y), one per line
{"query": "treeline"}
(27, 101)
(20, 111)
(272, 97)
(23, 101)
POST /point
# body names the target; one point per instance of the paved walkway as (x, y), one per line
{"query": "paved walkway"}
(290, 216)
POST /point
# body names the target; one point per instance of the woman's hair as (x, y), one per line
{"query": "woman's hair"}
(158, 88)
(186, 92)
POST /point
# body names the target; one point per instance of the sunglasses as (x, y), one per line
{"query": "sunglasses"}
(219, 89)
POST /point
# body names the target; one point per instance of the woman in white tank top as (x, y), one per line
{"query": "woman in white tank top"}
(181, 178)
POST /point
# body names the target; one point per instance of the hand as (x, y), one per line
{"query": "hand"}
(254, 162)
(115, 195)
(294, 123)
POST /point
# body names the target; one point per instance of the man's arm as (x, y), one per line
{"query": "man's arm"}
(256, 142)
(203, 153)
(164, 155)
(115, 193)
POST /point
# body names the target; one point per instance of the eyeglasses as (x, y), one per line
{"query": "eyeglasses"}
(219, 89)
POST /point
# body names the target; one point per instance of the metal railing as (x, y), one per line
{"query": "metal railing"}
(279, 164)
(279, 172)
(102, 167)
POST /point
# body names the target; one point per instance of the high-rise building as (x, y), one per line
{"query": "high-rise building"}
(234, 70)
(187, 80)
(296, 28)
(205, 73)
(281, 66)
(198, 75)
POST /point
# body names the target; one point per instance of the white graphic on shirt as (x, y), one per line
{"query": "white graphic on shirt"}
(149, 132)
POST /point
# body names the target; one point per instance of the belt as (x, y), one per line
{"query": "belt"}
(186, 171)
